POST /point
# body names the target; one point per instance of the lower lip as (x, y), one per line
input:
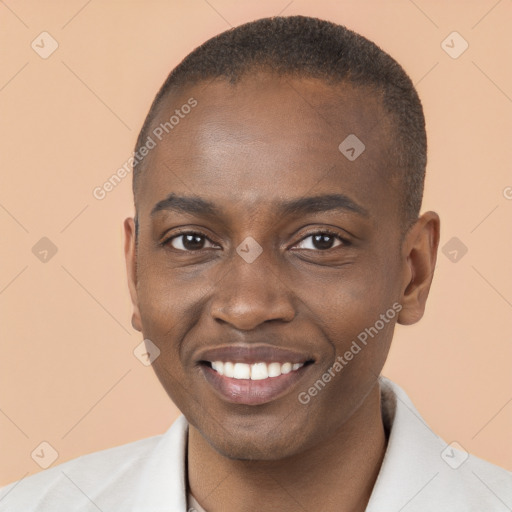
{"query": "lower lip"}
(252, 392)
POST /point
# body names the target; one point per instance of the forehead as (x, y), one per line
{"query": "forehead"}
(268, 138)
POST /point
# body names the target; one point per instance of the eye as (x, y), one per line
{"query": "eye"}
(194, 241)
(321, 240)
(190, 241)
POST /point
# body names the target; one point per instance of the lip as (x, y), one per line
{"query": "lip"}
(247, 391)
(252, 392)
(253, 354)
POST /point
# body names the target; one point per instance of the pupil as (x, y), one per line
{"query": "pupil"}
(192, 242)
(323, 241)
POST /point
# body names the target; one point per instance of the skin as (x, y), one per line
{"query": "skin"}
(247, 148)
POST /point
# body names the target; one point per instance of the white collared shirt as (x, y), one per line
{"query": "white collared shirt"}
(419, 473)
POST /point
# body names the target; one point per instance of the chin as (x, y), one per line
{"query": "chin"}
(241, 451)
(255, 445)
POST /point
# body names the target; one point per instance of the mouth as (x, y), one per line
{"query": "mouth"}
(253, 375)
(255, 371)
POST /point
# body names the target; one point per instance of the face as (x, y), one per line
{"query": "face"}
(264, 251)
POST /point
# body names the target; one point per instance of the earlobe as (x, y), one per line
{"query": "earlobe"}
(136, 324)
(419, 254)
(131, 270)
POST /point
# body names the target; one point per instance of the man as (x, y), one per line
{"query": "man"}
(277, 241)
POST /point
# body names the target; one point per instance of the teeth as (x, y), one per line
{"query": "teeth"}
(256, 371)
(286, 368)
(242, 371)
(228, 369)
(274, 369)
(259, 371)
(218, 367)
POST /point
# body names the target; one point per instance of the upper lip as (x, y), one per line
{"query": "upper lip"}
(251, 354)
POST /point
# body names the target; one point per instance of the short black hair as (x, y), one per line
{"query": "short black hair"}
(300, 46)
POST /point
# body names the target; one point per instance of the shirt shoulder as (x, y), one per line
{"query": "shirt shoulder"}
(78, 482)
(472, 480)
(423, 472)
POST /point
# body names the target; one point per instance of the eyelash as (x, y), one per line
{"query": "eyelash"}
(325, 231)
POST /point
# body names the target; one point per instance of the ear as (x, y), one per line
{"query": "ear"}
(130, 254)
(419, 254)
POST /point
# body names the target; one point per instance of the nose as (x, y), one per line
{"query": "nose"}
(251, 294)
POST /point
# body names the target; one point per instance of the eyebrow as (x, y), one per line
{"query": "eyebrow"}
(305, 205)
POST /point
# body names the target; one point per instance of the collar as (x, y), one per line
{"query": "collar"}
(414, 474)
(163, 486)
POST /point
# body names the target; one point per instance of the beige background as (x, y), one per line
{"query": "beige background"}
(68, 375)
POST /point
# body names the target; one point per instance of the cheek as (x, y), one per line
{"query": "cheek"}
(162, 310)
(164, 297)
(357, 313)
(166, 319)
(171, 306)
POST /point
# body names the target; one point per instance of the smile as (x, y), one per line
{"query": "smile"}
(256, 371)
(253, 374)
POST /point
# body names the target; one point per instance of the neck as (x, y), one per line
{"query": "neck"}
(338, 474)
